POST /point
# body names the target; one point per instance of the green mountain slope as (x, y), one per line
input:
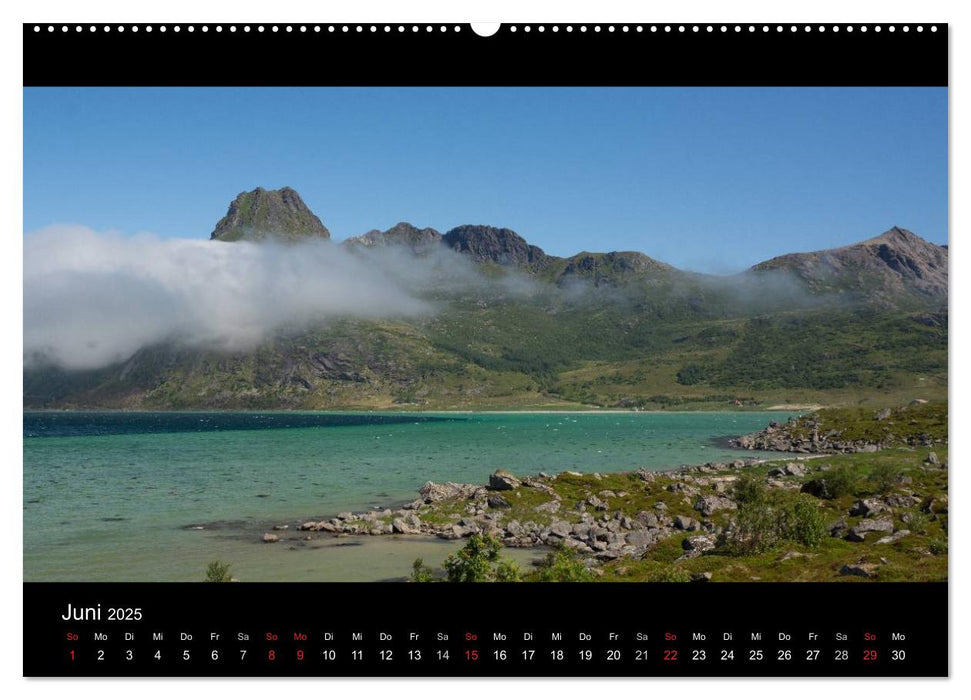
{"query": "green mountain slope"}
(515, 355)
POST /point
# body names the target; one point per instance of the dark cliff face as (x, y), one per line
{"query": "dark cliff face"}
(895, 261)
(402, 234)
(269, 215)
(501, 246)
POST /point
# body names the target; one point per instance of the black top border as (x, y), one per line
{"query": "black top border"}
(517, 55)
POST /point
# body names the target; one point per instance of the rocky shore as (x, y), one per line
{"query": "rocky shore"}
(847, 431)
(591, 526)
(600, 531)
(778, 438)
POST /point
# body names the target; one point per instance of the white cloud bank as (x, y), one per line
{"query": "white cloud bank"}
(94, 298)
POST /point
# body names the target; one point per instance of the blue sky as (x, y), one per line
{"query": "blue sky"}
(710, 179)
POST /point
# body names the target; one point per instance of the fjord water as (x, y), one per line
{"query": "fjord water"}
(120, 496)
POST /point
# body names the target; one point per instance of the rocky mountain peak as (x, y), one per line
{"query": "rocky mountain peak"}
(263, 214)
(897, 235)
(896, 261)
(401, 234)
(501, 246)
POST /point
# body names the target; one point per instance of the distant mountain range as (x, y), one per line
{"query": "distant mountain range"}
(861, 322)
(893, 263)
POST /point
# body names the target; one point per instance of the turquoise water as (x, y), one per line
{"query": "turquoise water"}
(112, 496)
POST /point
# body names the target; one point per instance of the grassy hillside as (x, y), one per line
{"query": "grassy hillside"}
(607, 348)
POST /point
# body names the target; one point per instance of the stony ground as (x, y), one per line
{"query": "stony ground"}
(677, 525)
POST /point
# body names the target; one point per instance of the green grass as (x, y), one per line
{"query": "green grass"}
(904, 425)
(491, 350)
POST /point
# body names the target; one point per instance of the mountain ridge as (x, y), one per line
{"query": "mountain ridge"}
(895, 260)
(896, 257)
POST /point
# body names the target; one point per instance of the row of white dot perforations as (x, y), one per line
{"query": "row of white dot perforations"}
(331, 28)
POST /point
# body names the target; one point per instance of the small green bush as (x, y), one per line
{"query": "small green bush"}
(801, 521)
(218, 572)
(507, 571)
(765, 519)
(563, 565)
(841, 481)
(885, 477)
(756, 529)
(479, 561)
(749, 489)
(917, 522)
(420, 572)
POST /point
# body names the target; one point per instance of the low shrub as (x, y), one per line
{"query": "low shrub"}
(670, 574)
(749, 489)
(884, 477)
(835, 483)
(218, 572)
(917, 522)
(420, 572)
(801, 521)
(479, 561)
(563, 565)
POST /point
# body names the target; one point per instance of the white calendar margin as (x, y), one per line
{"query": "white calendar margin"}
(443, 11)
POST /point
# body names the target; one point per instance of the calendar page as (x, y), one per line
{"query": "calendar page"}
(529, 350)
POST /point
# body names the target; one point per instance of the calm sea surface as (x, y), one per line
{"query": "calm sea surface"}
(113, 496)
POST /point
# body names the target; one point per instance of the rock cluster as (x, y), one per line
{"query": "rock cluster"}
(877, 517)
(607, 536)
(781, 438)
(859, 531)
(706, 505)
(431, 492)
(593, 528)
(589, 526)
(862, 570)
(386, 522)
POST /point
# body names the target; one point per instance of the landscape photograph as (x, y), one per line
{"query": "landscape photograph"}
(671, 335)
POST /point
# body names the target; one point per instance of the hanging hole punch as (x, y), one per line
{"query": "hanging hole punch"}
(485, 29)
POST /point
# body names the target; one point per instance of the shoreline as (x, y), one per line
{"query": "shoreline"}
(682, 524)
(723, 442)
(364, 411)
